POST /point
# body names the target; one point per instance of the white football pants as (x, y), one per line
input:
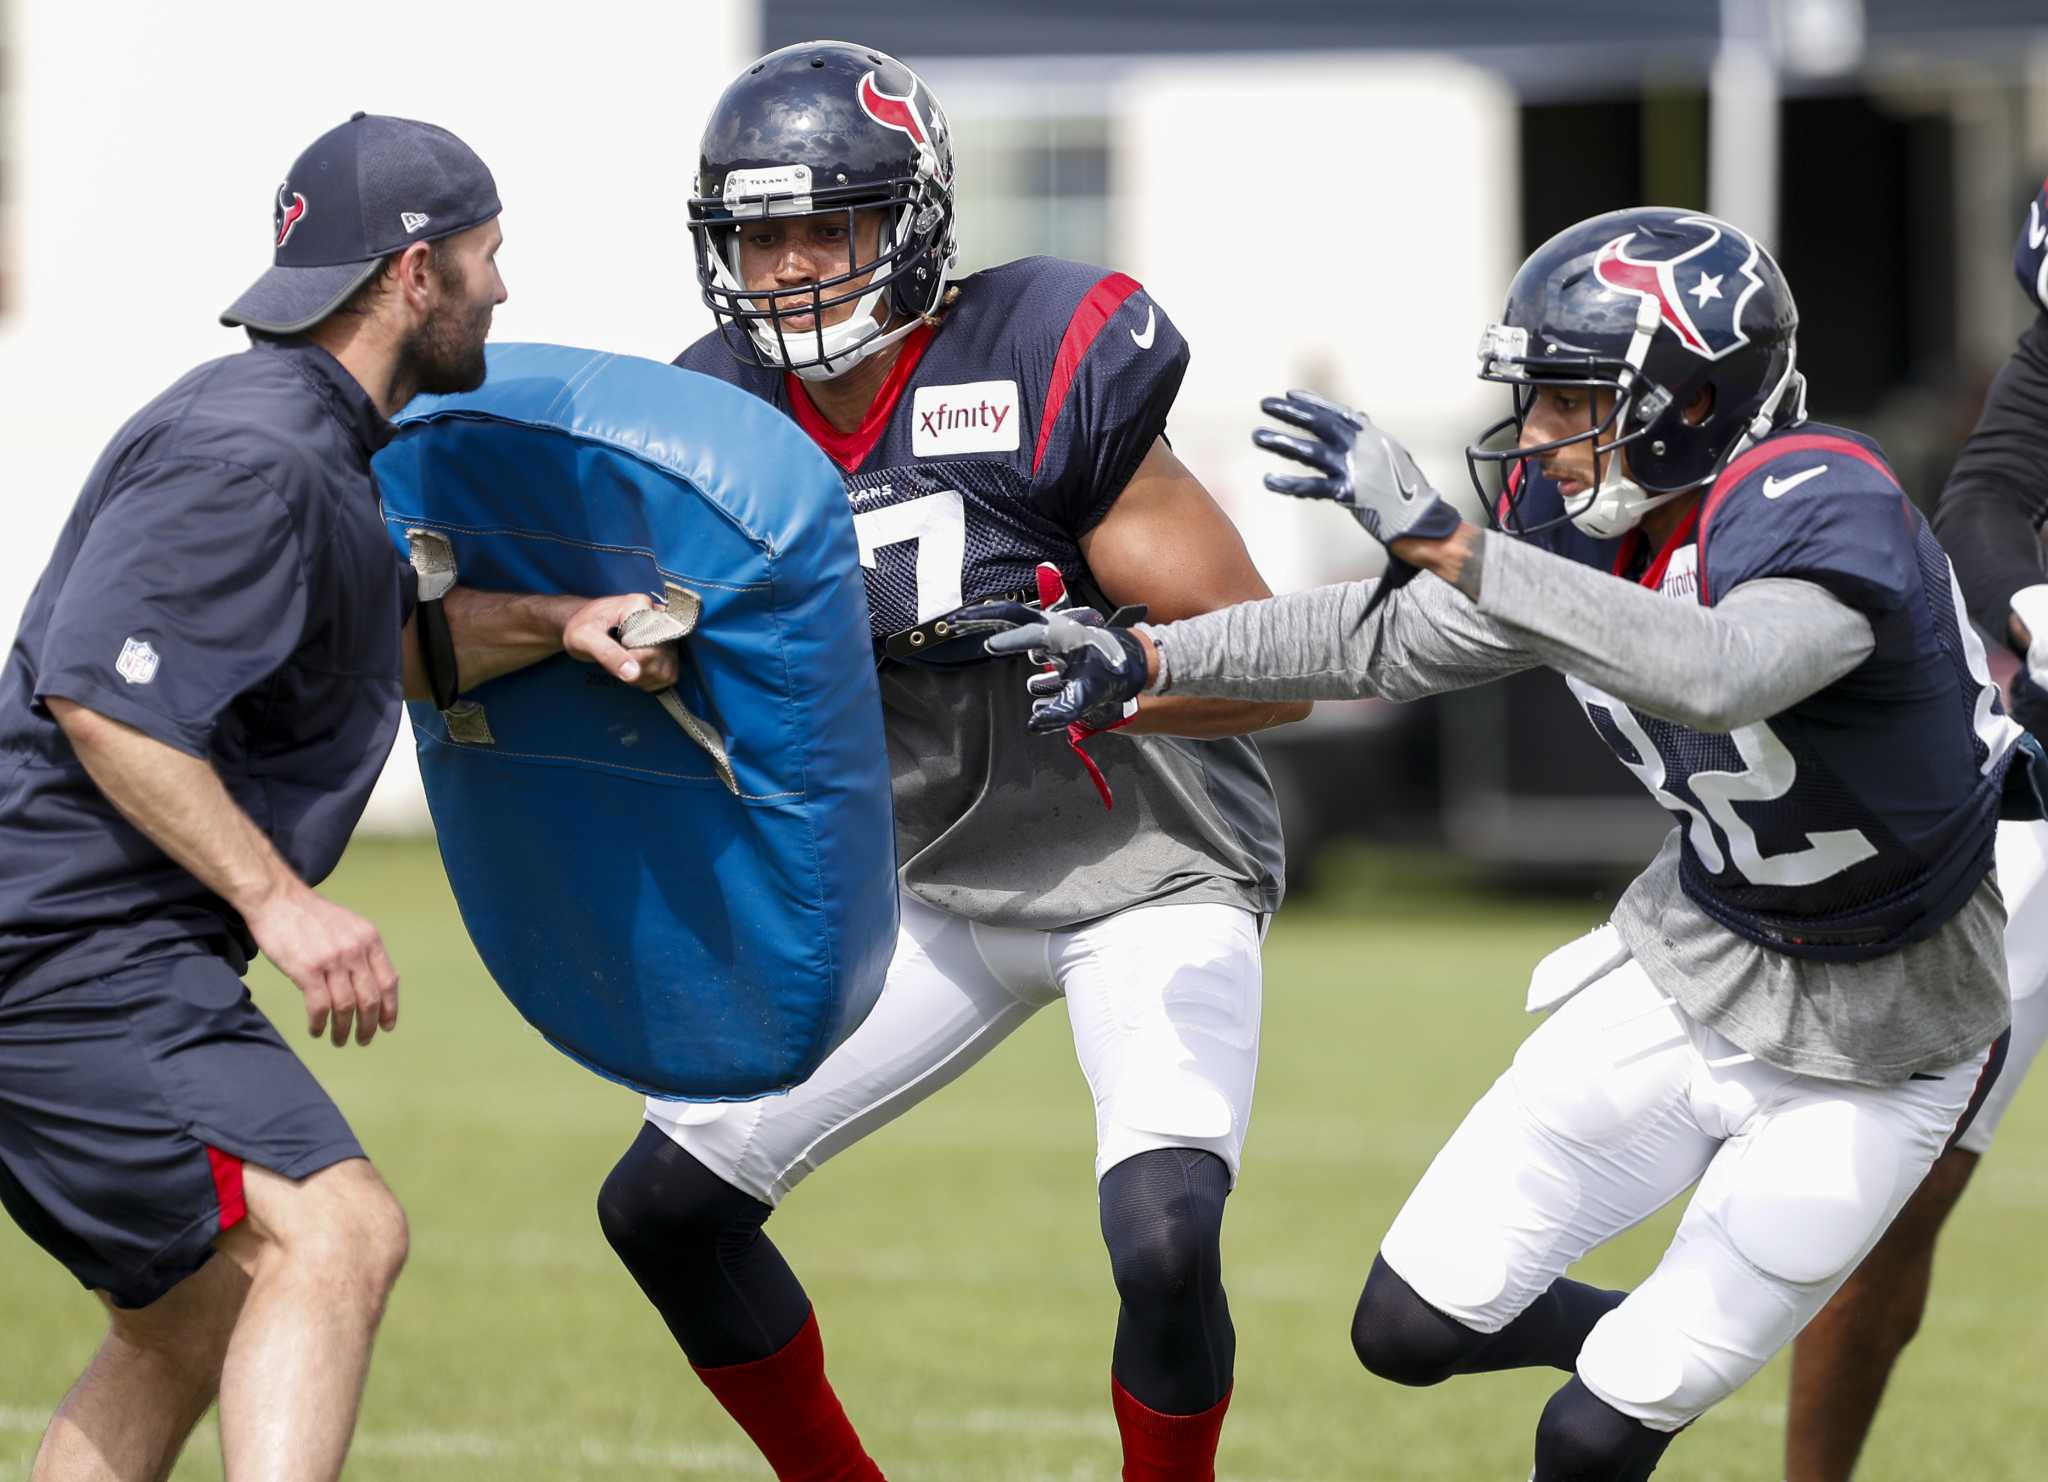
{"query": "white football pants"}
(1611, 1108)
(1164, 1003)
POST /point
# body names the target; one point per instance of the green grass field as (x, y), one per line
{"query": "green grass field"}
(954, 1259)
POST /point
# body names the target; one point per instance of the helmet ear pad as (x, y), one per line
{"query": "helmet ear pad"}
(917, 292)
(1676, 452)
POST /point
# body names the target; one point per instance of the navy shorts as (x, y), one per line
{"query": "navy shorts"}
(128, 1105)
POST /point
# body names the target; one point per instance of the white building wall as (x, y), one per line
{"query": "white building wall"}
(1347, 224)
(149, 140)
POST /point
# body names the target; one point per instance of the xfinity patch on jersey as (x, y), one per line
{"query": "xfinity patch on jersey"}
(977, 417)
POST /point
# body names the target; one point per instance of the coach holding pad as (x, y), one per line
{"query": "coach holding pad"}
(204, 687)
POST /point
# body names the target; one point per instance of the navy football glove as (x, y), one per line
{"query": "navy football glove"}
(1361, 468)
(1046, 634)
(1094, 670)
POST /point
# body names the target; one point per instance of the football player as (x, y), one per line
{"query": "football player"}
(1001, 438)
(1797, 1003)
(1989, 518)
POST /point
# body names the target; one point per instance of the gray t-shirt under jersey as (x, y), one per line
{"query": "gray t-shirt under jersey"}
(1005, 827)
(1766, 645)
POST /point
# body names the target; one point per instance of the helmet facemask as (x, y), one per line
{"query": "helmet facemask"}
(1667, 453)
(1638, 407)
(889, 293)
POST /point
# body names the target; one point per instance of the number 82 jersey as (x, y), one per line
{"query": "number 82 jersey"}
(1860, 819)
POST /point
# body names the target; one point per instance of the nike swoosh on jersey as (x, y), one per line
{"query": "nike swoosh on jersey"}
(2036, 233)
(1144, 341)
(1777, 488)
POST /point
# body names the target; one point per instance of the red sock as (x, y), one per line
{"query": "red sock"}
(1167, 1448)
(786, 1406)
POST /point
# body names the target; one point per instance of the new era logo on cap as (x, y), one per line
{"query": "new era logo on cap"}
(412, 221)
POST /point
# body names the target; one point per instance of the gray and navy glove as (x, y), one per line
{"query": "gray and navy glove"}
(1093, 670)
(1047, 634)
(1361, 468)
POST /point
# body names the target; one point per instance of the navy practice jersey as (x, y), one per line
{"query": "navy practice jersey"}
(1861, 818)
(1001, 436)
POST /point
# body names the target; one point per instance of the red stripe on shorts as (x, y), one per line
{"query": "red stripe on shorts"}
(227, 1187)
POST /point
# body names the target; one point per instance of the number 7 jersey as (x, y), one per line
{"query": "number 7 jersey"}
(1001, 436)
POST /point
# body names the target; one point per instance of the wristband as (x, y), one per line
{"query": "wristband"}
(1164, 677)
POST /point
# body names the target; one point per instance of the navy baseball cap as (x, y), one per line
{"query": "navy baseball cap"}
(362, 191)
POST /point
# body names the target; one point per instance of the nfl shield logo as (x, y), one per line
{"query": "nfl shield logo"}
(137, 663)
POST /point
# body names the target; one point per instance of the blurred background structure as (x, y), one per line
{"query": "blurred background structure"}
(1322, 192)
(1330, 192)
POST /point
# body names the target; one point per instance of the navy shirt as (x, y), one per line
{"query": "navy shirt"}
(225, 585)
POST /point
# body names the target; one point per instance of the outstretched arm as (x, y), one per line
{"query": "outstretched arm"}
(1323, 644)
(1768, 645)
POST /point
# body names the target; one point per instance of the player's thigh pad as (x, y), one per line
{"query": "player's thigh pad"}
(1589, 1131)
(1792, 1202)
(2023, 878)
(1164, 1003)
(128, 1105)
(941, 1009)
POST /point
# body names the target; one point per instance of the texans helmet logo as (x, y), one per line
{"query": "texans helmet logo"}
(892, 112)
(288, 212)
(1699, 291)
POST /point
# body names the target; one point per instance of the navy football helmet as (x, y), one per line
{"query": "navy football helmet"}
(1655, 306)
(817, 127)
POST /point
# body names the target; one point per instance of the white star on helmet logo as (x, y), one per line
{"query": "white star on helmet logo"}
(1708, 287)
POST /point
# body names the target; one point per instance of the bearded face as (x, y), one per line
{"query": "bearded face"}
(445, 354)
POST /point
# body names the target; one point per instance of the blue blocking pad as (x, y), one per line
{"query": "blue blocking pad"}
(687, 938)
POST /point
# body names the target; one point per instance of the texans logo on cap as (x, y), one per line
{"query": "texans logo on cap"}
(1699, 291)
(289, 212)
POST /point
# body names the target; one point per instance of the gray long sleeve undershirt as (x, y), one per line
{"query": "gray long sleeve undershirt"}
(1769, 644)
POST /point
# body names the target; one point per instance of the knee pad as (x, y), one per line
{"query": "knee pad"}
(1640, 1362)
(1814, 1192)
(659, 1205)
(1582, 1438)
(1162, 1219)
(1401, 1338)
